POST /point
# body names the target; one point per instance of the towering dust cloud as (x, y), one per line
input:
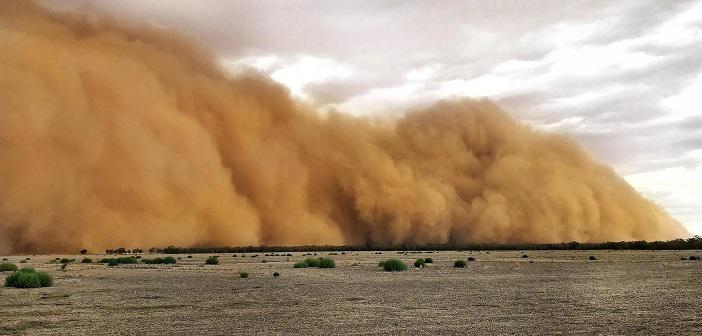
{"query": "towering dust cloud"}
(112, 135)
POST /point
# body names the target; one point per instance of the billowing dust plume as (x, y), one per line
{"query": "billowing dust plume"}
(114, 135)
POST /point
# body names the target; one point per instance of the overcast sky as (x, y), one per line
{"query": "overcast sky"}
(624, 77)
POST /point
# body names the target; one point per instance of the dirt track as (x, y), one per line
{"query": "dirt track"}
(551, 292)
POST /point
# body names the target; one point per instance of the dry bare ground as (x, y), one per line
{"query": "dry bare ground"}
(501, 293)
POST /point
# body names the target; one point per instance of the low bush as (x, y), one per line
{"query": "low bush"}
(694, 258)
(428, 260)
(243, 274)
(23, 261)
(312, 262)
(381, 263)
(419, 263)
(8, 267)
(127, 260)
(525, 256)
(592, 258)
(326, 263)
(29, 278)
(164, 260)
(4, 259)
(459, 264)
(394, 265)
(471, 259)
(45, 279)
(112, 262)
(67, 261)
(301, 264)
(275, 274)
(212, 260)
(86, 261)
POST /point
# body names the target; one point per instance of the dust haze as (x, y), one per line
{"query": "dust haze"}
(115, 133)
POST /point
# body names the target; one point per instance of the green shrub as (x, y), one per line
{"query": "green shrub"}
(46, 279)
(86, 261)
(394, 265)
(67, 261)
(164, 260)
(243, 274)
(428, 260)
(112, 262)
(212, 260)
(8, 267)
(312, 262)
(301, 264)
(127, 260)
(419, 263)
(275, 274)
(459, 264)
(26, 280)
(381, 263)
(29, 278)
(326, 263)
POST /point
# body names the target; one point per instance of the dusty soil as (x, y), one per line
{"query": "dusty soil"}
(501, 293)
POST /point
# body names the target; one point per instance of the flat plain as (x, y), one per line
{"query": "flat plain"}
(500, 293)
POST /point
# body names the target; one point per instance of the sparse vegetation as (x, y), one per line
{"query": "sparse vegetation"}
(326, 263)
(312, 262)
(67, 261)
(316, 262)
(8, 267)
(243, 274)
(29, 278)
(158, 260)
(693, 243)
(394, 265)
(86, 261)
(212, 260)
(419, 263)
(459, 263)
(117, 261)
(301, 264)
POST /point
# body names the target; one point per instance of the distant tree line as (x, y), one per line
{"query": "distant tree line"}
(693, 243)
